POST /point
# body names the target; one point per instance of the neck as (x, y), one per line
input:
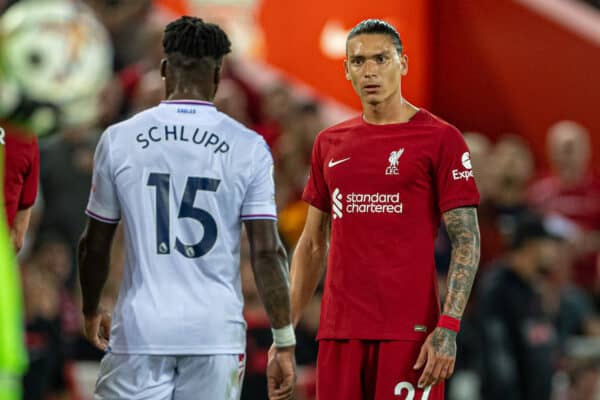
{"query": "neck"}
(394, 109)
(187, 92)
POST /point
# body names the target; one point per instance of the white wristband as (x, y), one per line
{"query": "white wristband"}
(284, 337)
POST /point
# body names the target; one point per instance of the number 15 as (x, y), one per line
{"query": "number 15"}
(162, 183)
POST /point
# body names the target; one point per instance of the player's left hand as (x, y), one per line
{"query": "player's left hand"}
(438, 354)
(96, 329)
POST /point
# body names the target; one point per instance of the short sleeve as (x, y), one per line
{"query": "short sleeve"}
(454, 179)
(31, 180)
(259, 201)
(103, 203)
(316, 192)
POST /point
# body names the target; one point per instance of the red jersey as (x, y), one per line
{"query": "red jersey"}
(386, 187)
(579, 203)
(21, 171)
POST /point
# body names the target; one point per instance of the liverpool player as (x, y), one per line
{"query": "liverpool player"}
(383, 181)
(20, 179)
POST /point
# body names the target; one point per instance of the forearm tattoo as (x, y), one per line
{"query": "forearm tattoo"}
(463, 230)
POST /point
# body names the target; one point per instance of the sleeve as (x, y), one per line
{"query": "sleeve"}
(454, 179)
(259, 201)
(316, 192)
(31, 181)
(103, 204)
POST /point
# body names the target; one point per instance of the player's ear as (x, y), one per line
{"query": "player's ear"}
(404, 64)
(346, 69)
(163, 68)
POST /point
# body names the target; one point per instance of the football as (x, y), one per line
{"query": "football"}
(55, 58)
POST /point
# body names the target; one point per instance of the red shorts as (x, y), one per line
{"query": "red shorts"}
(371, 370)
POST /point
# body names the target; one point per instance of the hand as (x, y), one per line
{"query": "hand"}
(281, 373)
(438, 354)
(97, 329)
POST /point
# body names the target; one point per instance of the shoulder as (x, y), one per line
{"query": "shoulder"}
(442, 128)
(238, 128)
(339, 128)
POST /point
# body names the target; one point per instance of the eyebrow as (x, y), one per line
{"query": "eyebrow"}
(384, 53)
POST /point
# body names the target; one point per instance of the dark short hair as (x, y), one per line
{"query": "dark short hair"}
(192, 38)
(377, 26)
(530, 226)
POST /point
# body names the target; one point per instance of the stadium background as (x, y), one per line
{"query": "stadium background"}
(509, 70)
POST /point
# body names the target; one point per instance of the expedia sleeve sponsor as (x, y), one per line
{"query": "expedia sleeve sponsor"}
(454, 178)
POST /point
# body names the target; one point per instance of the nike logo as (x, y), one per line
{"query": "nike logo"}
(334, 163)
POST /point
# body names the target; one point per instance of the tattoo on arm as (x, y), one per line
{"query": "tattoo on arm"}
(444, 342)
(463, 229)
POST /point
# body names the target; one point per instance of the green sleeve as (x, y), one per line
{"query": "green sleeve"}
(13, 358)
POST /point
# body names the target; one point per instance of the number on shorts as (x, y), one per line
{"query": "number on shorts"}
(410, 389)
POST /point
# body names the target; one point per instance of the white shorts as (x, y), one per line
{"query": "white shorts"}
(158, 377)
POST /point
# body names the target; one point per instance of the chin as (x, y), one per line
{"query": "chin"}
(372, 100)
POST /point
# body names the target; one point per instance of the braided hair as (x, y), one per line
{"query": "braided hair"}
(188, 40)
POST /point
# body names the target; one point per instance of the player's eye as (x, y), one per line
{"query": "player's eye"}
(356, 61)
(380, 58)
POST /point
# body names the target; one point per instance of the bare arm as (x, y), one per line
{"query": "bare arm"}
(270, 266)
(19, 228)
(439, 350)
(309, 260)
(463, 230)
(94, 256)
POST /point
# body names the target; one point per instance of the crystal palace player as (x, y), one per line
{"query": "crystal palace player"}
(184, 176)
(384, 180)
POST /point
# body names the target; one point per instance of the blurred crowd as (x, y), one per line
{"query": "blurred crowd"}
(533, 314)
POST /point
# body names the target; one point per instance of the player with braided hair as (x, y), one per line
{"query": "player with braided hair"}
(184, 176)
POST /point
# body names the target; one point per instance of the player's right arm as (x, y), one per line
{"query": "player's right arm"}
(269, 264)
(309, 260)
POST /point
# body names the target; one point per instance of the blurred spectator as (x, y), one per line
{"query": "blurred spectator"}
(127, 23)
(293, 163)
(480, 148)
(570, 197)
(231, 99)
(519, 341)
(66, 173)
(275, 107)
(584, 381)
(510, 168)
(258, 334)
(43, 334)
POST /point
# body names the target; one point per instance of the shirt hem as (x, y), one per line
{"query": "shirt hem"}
(178, 350)
(450, 205)
(100, 218)
(313, 202)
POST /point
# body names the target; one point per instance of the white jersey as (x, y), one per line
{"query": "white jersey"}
(182, 176)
